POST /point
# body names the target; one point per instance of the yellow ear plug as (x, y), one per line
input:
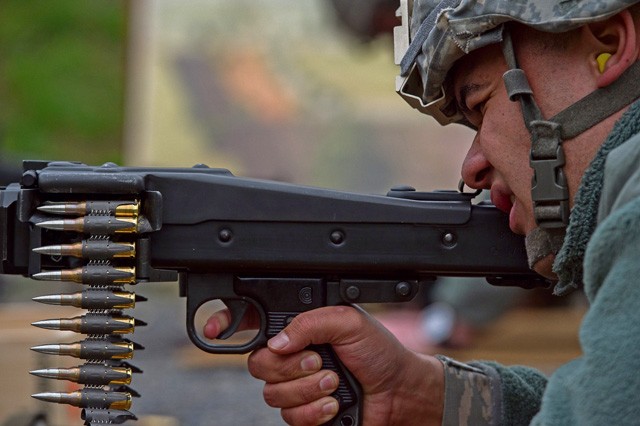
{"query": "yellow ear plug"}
(602, 61)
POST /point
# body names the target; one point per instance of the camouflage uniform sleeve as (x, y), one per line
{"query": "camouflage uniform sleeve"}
(473, 394)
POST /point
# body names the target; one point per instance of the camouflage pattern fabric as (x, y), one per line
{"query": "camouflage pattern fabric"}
(444, 31)
(473, 395)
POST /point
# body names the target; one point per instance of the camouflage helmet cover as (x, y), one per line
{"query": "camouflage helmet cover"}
(442, 31)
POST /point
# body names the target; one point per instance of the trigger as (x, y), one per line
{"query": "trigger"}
(237, 309)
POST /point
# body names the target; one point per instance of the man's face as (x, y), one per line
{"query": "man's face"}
(499, 155)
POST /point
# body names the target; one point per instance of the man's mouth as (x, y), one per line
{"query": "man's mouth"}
(506, 201)
(502, 200)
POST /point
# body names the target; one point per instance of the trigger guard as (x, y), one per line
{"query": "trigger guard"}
(259, 340)
(237, 309)
(202, 288)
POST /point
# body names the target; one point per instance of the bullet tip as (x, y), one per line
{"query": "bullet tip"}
(48, 300)
(53, 208)
(50, 373)
(44, 349)
(47, 396)
(47, 324)
(56, 225)
(46, 250)
(47, 276)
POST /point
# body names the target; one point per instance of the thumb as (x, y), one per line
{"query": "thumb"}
(332, 324)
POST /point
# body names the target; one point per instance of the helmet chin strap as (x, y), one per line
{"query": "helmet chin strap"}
(549, 190)
(541, 242)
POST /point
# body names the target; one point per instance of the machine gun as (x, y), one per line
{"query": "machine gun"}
(282, 249)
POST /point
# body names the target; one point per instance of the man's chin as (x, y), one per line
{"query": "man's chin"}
(541, 245)
(544, 267)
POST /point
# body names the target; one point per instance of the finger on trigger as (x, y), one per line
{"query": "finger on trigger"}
(217, 323)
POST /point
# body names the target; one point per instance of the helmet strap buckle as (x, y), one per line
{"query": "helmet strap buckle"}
(549, 190)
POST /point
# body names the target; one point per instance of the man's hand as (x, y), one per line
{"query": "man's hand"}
(400, 387)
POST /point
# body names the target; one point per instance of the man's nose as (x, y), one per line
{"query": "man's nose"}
(476, 169)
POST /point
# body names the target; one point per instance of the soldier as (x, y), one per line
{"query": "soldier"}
(568, 175)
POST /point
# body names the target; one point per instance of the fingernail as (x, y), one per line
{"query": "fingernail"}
(279, 341)
(330, 408)
(311, 363)
(328, 382)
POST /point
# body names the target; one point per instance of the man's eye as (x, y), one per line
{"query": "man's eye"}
(478, 108)
(475, 113)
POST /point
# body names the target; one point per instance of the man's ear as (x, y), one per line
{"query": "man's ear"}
(617, 36)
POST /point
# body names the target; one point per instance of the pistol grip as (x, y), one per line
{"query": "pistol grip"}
(349, 392)
(278, 301)
(285, 298)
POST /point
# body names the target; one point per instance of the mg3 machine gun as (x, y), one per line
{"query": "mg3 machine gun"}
(281, 249)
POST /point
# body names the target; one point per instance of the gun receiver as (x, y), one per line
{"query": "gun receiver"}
(280, 248)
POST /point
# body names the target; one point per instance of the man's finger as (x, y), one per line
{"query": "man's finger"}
(217, 323)
(273, 368)
(312, 414)
(220, 321)
(301, 391)
(335, 325)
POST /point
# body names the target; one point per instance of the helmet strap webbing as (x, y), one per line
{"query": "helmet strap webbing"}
(549, 190)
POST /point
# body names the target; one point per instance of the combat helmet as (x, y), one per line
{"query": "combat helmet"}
(436, 33)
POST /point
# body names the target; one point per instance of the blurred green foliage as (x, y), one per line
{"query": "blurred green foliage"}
(62, 79)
